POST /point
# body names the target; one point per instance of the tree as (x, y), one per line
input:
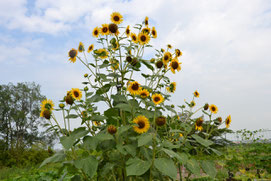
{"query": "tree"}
(20, 125)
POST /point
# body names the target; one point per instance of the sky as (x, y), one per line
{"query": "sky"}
(225, 44)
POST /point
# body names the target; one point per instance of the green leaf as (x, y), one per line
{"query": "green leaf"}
(103, 89)
(147, 64)
(90, 142)
(202, 141)
(166, 166)
(144, 139)
(96, 98)
(79, 132)
(124, 107)
(181, 158)
(58, 157)
(193, 166)
(98, 118)
(123, 129)
(107, 168)
(104, 136)
(89, 165)
(209, 168)
(131, 149)
(88, 94)
(119, 98)
(133, 103)
(67, 141)
(72, 116)
(136, 166)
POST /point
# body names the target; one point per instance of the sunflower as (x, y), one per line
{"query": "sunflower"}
(96, 123)
(72, 54)
(213, 108)
(172, 87)
(169, 46)
(228, 121)
(196, 93)
(114, 64)
(162, 50)
(178, 53)
(127, 31)
(104, 30)
(143, 38)
(192, 104)
(134, 88)
(157, 98)
(181, 135)
(166, 58)
(154, 32)
(76, 94)
(116, 18)
(143, 124)
(113, 28)
(47, 104)
(90, 48)
(144, 93)
(134, 37)
(206, 106)
(102, 53)
(146, 22)
(159, 64)
(175, 65)
(115, 46)
(146, 30)
(96, 32)
(45, 114)
(81, 47)
(161, 121)
(198, 125)
(111, 129)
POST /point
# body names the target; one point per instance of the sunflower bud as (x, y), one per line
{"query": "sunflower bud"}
(113, 28)
(219, 119)
(206, 107)
(159, 64)
(47, 114)
(152, 60)
(85, 75)
(69, 100)
(160, 121)
(129, 59)
(111, 129)
(86, 88)
(172, 106)
(61, 105)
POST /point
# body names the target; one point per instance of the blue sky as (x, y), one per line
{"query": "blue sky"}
(225, 46)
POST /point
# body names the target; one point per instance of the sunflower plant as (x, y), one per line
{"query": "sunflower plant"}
(139, 136)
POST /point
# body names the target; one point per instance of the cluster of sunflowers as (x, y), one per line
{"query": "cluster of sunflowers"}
(137, 125)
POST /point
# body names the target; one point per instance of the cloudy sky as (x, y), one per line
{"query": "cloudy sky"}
(226, 48)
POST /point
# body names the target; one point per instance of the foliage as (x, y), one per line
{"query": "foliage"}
(139, 136)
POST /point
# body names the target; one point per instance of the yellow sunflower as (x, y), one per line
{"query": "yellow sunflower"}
(111, 129)
(134, 88)
(166, 58)
(143, 38)
(146, 22)
(90, 48)
(134, 37)
(154, 32)
(172, 87)
(146, 30)
(228, 121)
(213, 108)
(144, 93)
(198, 125)
(127, 31)
(72, 54)
(102, 53)
(96, 123)
(81, 47)
(192, 103)
(114, 64)
(45, 114)
(196, 93)
(104, 30)
(178, 53)
(115, 46)
(76, 94)
(143, 124)
(96, 32)
(47, 104)
(175, 65)
(116, 18)
(157, 98)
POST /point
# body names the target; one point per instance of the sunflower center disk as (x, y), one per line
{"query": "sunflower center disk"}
(141, 124)
(76, 94)
(143, 38)
(116, 18)
(157, 99)
(72, 53)
(174, 65)
(135, 87)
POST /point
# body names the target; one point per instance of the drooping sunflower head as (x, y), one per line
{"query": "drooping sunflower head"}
(142, 124)
(111, 129)
(192, 104)
(129, 59)
(196, 93)
(154, 32)
(213, 108)
(102, 53)
(76, 94)
(169, 46)
(143, 38)
(172, 87)
(134, 38)
(90, 48)
(116, 18)
(114, 64)
(146, 22)
(175, 65)
(127, 31)
(69, 99)
(46, 113)
(47, 104)
(72, 54)
(228, 121)
(134, 88)
(198, 125)
(167, 57)
(206, 106)
(161, 121)
(81, 47)
(104, 30)
(113, 28)
(146, 30)
(95, 32)
(144, 93)
(219, 119)
(159, 64)
(178, 53)
(157, 98)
